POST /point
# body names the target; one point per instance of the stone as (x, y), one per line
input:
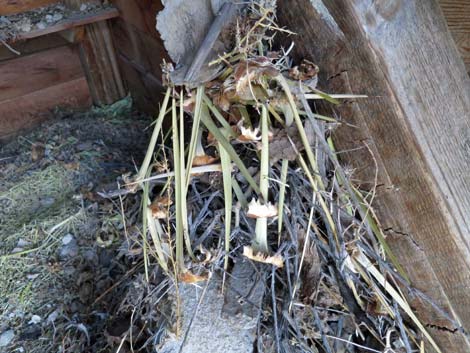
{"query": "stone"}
(6, 338)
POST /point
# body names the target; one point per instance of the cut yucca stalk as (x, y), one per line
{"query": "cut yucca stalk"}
(261, 235)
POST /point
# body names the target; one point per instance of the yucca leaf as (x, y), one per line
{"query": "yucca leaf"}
(214, 130)
(388, 287)
(183, 186)
(282, 196)
(227, 181)
(179, 242)
(194, 131)
(153, 141)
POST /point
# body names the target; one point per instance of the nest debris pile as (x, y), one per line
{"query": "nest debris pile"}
(248, 170)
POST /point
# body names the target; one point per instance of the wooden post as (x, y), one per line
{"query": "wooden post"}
(416, 125)
(99, 62)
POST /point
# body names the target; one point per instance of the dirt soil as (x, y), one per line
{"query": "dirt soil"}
(65, 261)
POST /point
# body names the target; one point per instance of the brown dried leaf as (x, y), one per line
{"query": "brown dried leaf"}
(275, 260)
(159, 207)
(311, 268)
(204, 160)
(188, 277)
(281, 146)
(37, 151)
(305, 71)
(247, 75)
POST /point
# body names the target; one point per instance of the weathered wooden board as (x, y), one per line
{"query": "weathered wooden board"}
(24, 112)
(71, 22)
(98, 58)
(139, 47)
(416, 124)
(9, 7)
(140, 13)
(34, 72)
(145, 88)
(457, 14)
(140, 50)
(32, 46)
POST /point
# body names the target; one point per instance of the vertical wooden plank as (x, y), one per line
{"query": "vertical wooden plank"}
(34, 72)
(140, 50)
(415, 124)
(99, 62)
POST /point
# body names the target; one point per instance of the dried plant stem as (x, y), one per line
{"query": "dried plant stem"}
(153, 141)
(227, 181)
(178, 194)
(261, 237)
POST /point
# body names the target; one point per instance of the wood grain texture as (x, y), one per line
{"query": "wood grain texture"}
(140, 51)
(32, 46)
(457, 14)
(98, 59)
(34, 72)
(140, 47)
(415, 124)
(141, 14)
(146, 89)
(25, 112)
(10, 7)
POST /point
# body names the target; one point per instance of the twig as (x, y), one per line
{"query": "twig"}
(14, 51)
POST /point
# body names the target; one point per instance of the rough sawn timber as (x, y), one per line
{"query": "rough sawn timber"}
(416, 125)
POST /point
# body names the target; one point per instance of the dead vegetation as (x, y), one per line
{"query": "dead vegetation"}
(282, 200)
(242, 195)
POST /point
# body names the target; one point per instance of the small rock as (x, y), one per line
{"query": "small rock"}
(67, 239)
(70, 249)
(32, 276)
(5, 20)
(41, 25)
(49, 18)
(25, 27)
(83, 7)
(57, 17)
(35, 319)
(6, 338)
(52, 317)
(22, 243)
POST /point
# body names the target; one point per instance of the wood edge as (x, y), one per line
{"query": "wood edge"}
(69, 23)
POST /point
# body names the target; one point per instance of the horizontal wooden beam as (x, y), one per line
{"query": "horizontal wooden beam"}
(70, 22)
(24, 112)
(34, 72)
(11, 7)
